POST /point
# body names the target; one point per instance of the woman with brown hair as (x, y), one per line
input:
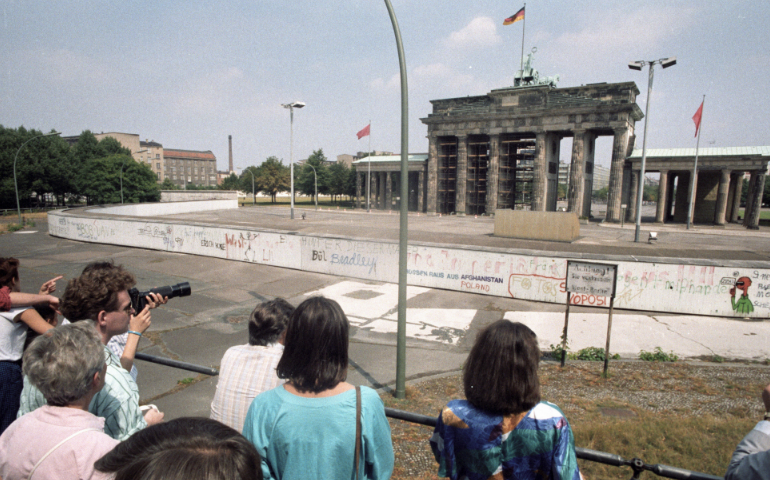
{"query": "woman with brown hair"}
(307, 427)
(13, 332)
(503, 430)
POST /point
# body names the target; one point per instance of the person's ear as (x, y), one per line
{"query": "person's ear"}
(100, 317)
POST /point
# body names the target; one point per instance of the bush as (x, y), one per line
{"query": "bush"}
(594, 354)
(658, 356)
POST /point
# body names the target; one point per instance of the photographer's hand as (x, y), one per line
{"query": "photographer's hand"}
(136, 327)
(155, 300)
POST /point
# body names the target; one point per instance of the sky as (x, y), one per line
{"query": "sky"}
(189, 73)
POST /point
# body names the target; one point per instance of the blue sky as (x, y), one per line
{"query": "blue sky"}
(188, 74)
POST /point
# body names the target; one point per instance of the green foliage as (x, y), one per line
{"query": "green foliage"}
(272, 177)
(230, 183)
(594, 354)
(193, 186)
(248, 181)
(658, 356)
(15, 227)
(339, 180)
(101, 178)
(556, 352)
(168, 185)
(305, 181)
(601, 194)
(717, 359)
(650, 193)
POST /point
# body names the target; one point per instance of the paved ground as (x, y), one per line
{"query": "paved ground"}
(442, 325)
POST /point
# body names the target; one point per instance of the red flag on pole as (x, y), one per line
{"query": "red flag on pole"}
(364, 132)
(696, 118)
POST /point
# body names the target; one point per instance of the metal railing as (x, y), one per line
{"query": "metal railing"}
(637, 465)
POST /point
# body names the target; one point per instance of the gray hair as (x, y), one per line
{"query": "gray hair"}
(62, 362)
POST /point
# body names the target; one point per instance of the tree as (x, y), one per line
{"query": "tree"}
(601, 194)
(272, 177)
(100, 181)
(306, 179)
(230, 183)
(168, 185)
(339, 178)
(248, 181)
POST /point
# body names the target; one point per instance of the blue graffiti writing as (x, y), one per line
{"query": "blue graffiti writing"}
(355, 260)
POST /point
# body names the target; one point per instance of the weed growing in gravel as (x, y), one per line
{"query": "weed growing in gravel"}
(594, 354)
(658, 356)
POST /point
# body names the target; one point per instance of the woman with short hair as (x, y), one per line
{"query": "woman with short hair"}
(503, 430)
(60, 439)
(307, 427)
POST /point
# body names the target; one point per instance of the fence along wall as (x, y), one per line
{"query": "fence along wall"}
(657, 287)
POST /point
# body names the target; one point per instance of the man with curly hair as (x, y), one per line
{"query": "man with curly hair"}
(100, 296)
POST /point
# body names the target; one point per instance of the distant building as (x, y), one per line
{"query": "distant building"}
(153, 157)
(190, 167)
(601, 175)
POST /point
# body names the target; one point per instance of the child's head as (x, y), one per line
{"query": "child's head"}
(48, 314)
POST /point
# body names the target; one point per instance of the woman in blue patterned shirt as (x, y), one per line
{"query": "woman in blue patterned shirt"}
(503, 430)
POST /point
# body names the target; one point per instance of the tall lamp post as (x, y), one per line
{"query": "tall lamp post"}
(665, 63)
(291, 106)
(316, 184)
(123, 164)
(15, 183)
(253, 192)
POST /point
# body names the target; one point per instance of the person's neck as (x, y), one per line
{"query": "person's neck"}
(336, 390)
(83, 402)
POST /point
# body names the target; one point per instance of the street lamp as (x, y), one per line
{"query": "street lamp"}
(122, 164)
(253, 192)
(291, 106)
(665, 63)
(15, 184)
(316, 185)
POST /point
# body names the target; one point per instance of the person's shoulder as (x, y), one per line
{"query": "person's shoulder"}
(545, 410)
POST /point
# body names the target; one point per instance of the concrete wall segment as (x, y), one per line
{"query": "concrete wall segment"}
(642, 284)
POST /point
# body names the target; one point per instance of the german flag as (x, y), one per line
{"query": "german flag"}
(515, 17)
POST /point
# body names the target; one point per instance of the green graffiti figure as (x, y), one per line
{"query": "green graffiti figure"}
(743, 305)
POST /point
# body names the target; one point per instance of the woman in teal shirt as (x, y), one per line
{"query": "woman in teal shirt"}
(306, 428)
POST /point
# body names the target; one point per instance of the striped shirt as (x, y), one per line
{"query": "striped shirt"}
(117, 402)
(246, 371)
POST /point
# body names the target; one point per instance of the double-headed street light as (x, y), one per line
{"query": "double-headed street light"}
(253, 192)
(123, 164)
(291, 106)
(15, 184)
(665, 63)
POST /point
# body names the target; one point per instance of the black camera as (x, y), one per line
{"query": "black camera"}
(138, 300)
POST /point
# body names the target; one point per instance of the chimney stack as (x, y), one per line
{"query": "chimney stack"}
(230, 142)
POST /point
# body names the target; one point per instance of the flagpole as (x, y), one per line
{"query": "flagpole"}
(695, 168)
(521, 63)
(369, 171)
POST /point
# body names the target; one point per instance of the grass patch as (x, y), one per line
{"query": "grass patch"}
(667, 413)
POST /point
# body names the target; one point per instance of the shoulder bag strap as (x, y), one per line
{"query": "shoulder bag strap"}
(358, 428)
(57, 446)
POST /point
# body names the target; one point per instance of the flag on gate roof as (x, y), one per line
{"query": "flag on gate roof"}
(696, 118)
(364, 132)
(515, 17)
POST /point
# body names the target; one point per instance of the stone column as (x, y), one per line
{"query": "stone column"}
(493, 172)
(539, 174)
(724, 187)
(749, 198)
(660, 214)
(358, 190)
(421, 191)
(462, 174)
(631, 210)
(374, 178)
(388, 191)
(755, 199)
(614, 196)
(576, 174)
(736, 181)
(432, 174)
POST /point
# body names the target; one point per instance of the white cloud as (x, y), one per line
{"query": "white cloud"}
(393, 83)
(480, 32)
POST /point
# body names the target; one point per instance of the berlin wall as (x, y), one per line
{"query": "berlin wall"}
(656, 287)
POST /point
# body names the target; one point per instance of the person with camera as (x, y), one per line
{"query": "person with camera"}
(100, 296)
